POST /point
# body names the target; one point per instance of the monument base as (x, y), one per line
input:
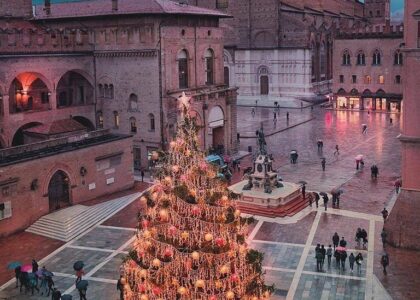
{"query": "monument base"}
(403, 223)
(281, 202)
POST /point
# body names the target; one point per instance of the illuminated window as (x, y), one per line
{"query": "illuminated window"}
(116, 119)
(133, 125)
(381, 79)
(368, 79)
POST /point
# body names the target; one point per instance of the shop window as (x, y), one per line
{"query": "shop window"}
(116, 120)
(346, 58)
(133, 125)
(381, 79)
(341, 78)
(183, 69)
(209, 61)
(398, 79)
(376, 59)
(354, 79)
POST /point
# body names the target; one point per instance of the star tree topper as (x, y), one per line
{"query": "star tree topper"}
(184, 101)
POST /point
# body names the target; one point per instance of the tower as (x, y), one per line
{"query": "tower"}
(377, 11)
(15, 8)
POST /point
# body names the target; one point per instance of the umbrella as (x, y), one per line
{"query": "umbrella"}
(323, 194)
(359, 157)
(13, 265)
(82, 284)
(293, 151)
(39, 273)
(337, 191)
(66, 297)
(303, 182)
(78, 265)
(339, 248)
(26, 268)
(48, 273)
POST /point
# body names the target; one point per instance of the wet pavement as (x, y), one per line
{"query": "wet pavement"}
(288, 246)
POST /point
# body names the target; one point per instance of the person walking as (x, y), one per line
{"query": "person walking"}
(323, 253)
(82, 293)
(120, 286)
(142, 175)
(325, 198)
(238, 166)
(336, 152)
(329, 254)
(303, 191)
(310, 200)
(50, 284)
(318, 257)
(343, 242)
(337, 259)
(18, 270)
(56, 294)
(343, 257)
(374, 172)
(352, 259)
(336, 240)
(358, 237)
(385, 214)
(364, 128)
(323, 162)
(253, 112)
(274, 116)
(364, 237)
(316, 199)
(35, 268)
(385, 262)
(359, 259)
(383, 237)
(397, 185)
(287, 116)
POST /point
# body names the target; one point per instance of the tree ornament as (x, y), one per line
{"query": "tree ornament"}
(155, 155)
(156, 291)
(237, 213)
(220, 242)
(224, 269)
(200, 283)
(195, 255)
(156, 263)
(196, 211)
(172, 144)
(143, 200)
(163, 213)
(145, 223)
(208, 237)
(182, 290)
(143, 273)
(168, 252)
(185, 235)
(146, 234)
(230, 295)
(172, 230)
(175, 169)
(144, 297)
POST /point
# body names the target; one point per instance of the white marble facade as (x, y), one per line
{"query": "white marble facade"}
(288, 72)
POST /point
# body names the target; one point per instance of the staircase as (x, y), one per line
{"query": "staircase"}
(287, 210)
(66, 224)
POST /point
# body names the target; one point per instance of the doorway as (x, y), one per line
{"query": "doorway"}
(59, 191)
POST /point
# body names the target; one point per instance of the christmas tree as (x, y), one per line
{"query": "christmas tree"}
(191, 239)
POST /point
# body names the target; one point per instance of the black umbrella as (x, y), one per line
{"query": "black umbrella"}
(82, 284)
(66, 297)
(323, 194)
(303, 182)
(78, 265)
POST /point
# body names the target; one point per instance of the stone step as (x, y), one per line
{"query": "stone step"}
(70, 222)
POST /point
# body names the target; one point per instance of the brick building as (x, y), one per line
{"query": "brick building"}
(38, 178)
(404, 222)
(368, 69)
(282, 49)
(70, 69)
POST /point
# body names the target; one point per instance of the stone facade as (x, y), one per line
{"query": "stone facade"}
(290, 40)
(117, 71)
(368, 69)
(26, 184)
(403, 222)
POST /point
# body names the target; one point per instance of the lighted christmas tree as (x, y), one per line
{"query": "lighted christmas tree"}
(191, 240)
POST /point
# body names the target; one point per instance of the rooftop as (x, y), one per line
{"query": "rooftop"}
(14, 155)
(96, 8)
(57, 127)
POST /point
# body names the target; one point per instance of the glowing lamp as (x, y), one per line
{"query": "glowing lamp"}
(208, 237)
(143, 273)
(199, 283)
(156, 263)
(230, 295)
(195, 255)
(185, 235)
(224, 269)
(144, 297)
(182, 290)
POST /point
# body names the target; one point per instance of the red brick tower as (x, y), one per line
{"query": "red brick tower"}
(404, 222)
(377, 11)
(15, 8)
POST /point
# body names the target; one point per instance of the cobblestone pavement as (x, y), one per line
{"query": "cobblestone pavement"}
(288, 245)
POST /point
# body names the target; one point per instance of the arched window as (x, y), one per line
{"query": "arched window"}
(398, 79)
(376, 59)
(133, 125)
(209, 61)
(106, 91)
(322, 60)
(346, 58)
(361, 60)
(226, 75)
(111, 91)
(368, 79)
(152, 122)
(116, 120)
(101, 90)
(183, 69)
(133, 105)
(398, 58)
(264, 87)
(100, 119)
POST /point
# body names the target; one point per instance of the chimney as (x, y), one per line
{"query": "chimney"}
(47, 7)
(114, 5)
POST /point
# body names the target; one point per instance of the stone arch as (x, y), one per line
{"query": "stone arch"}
(2, 143)
(81, 72)
(227, 57)
(18, 137)
(85, 122)
(26, 76)
(341, 91)
(74, 88)
(264, 39)
(367, 92)
(216, 125)
(216, 117)
(133, 102)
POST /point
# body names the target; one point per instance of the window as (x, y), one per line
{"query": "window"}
(378, 13)
(418, 34)
(381, 79)
(264, 85)
(106, 91)
(370, 14)
(81, 95)
(111, 91)
(183, 69)
(322, 60)
(152, 122)
(101, 90)
(376, 59)
(398, 79)
(354, 79)
(361, 59)
(100, 119)
(346, 58)
(222, 3)
(133, 102)
(398, 58)
(5, 210)
(209, 60)
(133, 125)
(116, 120)
(226, 75)
(341, 78)
(368, 79)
